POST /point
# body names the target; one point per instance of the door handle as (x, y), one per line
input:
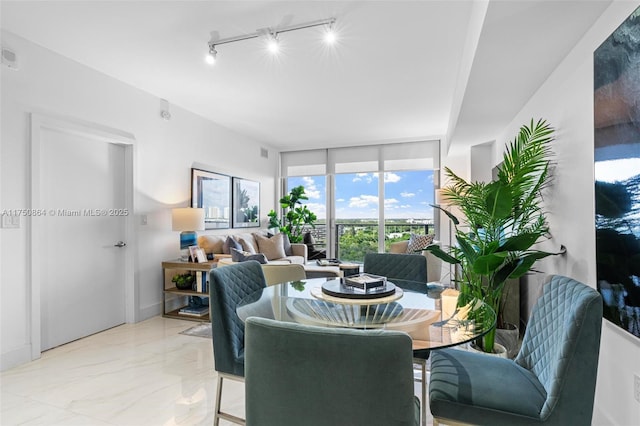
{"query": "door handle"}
(120, 244)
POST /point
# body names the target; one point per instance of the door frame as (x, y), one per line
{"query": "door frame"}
(39, 123)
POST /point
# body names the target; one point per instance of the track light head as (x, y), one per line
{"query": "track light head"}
(330, 34)
(211, 56)
(272, 43)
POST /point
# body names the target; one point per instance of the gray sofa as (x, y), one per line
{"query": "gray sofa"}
(257, 241)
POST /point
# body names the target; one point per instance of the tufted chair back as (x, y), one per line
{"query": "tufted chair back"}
(561, 346)
(401, 269)
(300, 374)
(228, 286)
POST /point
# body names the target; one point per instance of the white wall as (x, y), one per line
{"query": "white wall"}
(566, 101)
(164, 153)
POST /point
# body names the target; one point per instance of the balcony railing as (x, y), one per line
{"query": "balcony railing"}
(356, 239)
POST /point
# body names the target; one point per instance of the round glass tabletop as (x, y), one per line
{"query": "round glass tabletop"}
(413, 307)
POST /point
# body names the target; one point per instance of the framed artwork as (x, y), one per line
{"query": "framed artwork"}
(617, 173)
(197, 254)
(212, 192)
(246, 203)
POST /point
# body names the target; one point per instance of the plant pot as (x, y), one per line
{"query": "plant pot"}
(498, 350)
(509, 337)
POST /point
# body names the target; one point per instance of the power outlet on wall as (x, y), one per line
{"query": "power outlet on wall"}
(636, 387)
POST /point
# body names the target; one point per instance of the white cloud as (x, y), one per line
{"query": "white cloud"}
(407, 194)
(389, 202)
(363, 201)
(318, 209)
(364, 177)
(391, 177)
(310, 188)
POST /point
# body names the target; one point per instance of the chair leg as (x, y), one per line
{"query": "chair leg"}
(423, 368)
(219, 413)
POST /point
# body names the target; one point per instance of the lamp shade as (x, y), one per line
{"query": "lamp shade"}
(187, 219)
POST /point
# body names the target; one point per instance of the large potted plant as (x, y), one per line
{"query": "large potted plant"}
(296, 216)
(502, 221)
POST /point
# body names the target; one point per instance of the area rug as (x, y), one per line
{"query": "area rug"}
(200, 330)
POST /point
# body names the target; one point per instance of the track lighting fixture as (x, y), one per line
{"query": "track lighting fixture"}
(271, 36)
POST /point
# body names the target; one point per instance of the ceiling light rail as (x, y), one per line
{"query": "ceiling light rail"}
(269, 33)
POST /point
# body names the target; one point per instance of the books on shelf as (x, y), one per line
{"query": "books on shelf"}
(365, 281)
(202, 282)
(194, 311)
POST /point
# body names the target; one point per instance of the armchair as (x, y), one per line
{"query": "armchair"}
(552, 380)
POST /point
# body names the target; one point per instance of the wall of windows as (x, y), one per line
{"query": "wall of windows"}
(351, 199)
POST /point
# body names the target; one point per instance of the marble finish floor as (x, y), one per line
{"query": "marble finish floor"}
(132, 375)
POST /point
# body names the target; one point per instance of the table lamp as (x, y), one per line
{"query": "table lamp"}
(187, 220)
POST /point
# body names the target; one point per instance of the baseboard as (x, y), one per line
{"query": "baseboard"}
(15, 357)
(150, 311)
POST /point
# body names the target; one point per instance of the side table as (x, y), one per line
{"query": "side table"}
(173, 299)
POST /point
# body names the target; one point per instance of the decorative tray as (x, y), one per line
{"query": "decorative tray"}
(338, 289)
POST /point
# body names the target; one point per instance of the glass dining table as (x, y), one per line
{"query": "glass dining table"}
(409, 306)
(412, 307)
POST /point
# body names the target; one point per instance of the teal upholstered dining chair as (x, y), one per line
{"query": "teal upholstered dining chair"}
(407, 271)
(552, 379)
(228, 286)
(403, 269)
(298, 374)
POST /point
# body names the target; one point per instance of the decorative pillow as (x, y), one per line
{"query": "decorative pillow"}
(247, 241)
(272, 248)
(287, 245)
(418, 242)
(309, 240)
(230, 243)
(212, 243)
(241, 256)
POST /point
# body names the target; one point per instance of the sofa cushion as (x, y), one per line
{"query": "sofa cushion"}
(230, 243)
(286, 242)
(248, 242)
(212, 243)
(272, 248)
(241, 256)
(418, 242)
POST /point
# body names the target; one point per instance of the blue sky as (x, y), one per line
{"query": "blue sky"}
(407, 195)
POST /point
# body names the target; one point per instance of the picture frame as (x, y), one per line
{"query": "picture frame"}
(246, 203)
(212, 192)
(197, 254)
(617, 173)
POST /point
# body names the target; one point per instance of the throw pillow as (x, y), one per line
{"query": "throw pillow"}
(242, 256)
(229, 244)
(286, 242)
(248, 242)
(211, 243)
(418, 242)
(272, 248)
(309, 240)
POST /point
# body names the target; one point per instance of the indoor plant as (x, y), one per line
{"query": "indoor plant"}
(502, 220)
(295, 215)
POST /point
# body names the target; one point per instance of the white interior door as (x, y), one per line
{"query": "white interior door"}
(82, 269)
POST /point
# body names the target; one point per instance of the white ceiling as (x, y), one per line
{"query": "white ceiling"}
(402, 70)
